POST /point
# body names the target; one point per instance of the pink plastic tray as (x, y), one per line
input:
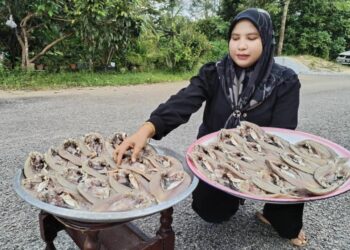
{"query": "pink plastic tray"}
(290, 135)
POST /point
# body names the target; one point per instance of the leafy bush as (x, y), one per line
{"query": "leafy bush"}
(217, 51)
(214, 28)
(338, 45)
(176, 46)
(185, 50)
(144, 54)
(322, 33)
(315, 43)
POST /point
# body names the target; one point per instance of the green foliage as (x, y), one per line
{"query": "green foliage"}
(2, 67)
(181, 45)
(185, 49)
(315, 43)
(36, 18)
(179, 52)
(204, 8)
(143, 35)
(102, 27)
(171, 43)
(105, 27)
(217, 51)
(214, 28)
(145, 53)
(228, 9)
(319, 27)
(338, 45)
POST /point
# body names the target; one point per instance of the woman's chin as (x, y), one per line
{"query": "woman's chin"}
(243, 63)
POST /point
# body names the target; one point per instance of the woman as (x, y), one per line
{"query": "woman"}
(245, 85)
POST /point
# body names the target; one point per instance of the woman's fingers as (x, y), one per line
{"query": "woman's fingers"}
(136, 152)
(136, 142)
(120, 151)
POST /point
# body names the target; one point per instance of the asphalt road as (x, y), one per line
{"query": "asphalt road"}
(33, 121)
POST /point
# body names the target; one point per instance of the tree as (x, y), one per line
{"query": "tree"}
(214, 28)
(168, 39)
(283, 26)
(104, 27)
(228, 9)
(318, 27)
(204, 8)
(29, 16)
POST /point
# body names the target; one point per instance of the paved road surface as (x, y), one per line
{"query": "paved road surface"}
(36, 120)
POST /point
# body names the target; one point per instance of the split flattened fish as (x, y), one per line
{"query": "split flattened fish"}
(97, 167)
(94, 189)
(250, 131)
(34, 165)
(313, 151)
(92, 145)
(114, 141)
(299, 163)
(55, 161)
(123, 181)
(70, 151)
(169, 184)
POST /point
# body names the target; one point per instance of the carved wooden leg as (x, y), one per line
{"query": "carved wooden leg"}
(91, 240)
(165, 231)
(49, 227)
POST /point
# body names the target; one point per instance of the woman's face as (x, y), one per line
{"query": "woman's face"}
(245, 45)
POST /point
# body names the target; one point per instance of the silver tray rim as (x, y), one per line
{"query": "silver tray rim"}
(109, 217)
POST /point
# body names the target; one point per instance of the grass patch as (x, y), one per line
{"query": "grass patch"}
(35, 80)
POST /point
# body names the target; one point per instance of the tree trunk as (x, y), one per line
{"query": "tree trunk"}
(23, 40)
(283, 26)
(23, 53)
(26, 48)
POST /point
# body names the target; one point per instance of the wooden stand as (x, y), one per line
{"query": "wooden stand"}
(108, 236)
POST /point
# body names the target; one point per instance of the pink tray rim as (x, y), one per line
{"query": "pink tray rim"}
(339, 149)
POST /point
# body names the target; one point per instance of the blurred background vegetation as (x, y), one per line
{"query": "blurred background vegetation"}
(154, 35)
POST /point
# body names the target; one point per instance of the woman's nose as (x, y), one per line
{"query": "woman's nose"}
(242, 45)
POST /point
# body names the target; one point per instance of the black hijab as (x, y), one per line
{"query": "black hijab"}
(258, 84)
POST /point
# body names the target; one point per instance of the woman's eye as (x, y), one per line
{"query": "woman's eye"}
(252, 38)
(234, 38)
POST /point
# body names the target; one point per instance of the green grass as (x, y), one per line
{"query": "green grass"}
(19, 80)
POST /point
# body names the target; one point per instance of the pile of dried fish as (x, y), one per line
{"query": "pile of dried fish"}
(251, 161)
(81, 174)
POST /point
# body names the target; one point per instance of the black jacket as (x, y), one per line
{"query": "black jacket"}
(280, 109)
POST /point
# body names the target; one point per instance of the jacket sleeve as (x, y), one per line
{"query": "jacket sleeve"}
(179, 107)
(285, 110)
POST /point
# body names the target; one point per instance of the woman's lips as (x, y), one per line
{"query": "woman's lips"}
(242, 57)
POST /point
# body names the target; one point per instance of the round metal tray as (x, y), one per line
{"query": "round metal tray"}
(103, 217)
(290, 135)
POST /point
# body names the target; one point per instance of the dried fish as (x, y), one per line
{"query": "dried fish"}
(169, 184)
(81, 174)
(70, 151)
(34, 165)
(252, 161)
(92, 145)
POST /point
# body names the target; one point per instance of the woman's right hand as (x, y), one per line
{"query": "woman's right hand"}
(136, 141)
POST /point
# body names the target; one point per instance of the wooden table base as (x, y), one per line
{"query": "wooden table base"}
(108, 236)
